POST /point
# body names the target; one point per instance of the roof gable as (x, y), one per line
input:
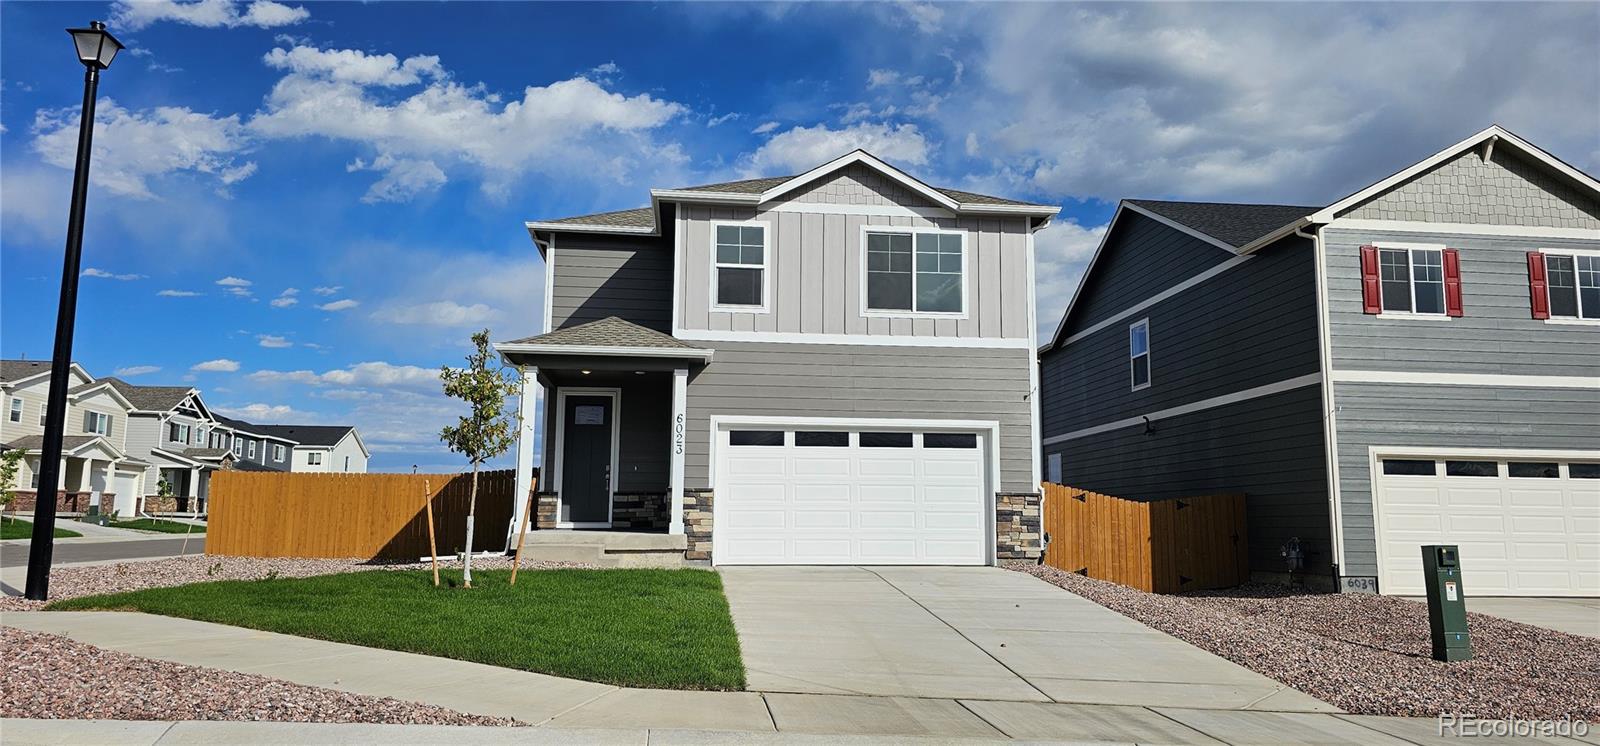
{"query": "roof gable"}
(153, 398)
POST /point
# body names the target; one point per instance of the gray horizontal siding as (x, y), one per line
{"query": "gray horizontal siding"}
(802, 380)
(599, 276)
(1270, 448)
(1249, 326)
(1142, 258)
(1497, 334)
(1423, 417)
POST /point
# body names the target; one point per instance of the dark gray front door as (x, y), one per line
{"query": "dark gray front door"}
(586, 460)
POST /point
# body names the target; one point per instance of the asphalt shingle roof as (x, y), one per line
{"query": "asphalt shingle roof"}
(639, 217)
(16, 370)
(1234, 224)
(206, 453)
(150, 398)
(306, 435)
(609, 332)
(36, 442)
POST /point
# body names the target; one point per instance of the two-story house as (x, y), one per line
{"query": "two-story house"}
(255, 447)
(320, 448)
(1416, 363)
(96, 467)
(170, 427)
(829, 368)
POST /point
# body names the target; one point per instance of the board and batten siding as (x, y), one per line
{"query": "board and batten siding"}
(597, 276)
(1143, 258)
(816, 284)
(785, 380)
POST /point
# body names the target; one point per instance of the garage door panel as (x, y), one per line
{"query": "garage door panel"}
(1401, 493)
(963, 469)
(822, 467)
(1417, 523)
(940, 495)
(892, 519)
(822, 519)
(1527, 498)
(1480, 551)
(748, 466)
(1527, 550)
(905, 468)
(878, 494)
(1548, 525)
(756, 519)
(1586, 499)
(1469, 498)
(824, 493)
(939, 521)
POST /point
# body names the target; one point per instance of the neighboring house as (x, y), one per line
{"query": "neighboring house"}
(829, 368)
(1416, 363)
(320, 448)
(97, 467)
(255, 447)
(170, 427)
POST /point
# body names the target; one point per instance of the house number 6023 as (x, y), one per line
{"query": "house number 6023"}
(677, 435)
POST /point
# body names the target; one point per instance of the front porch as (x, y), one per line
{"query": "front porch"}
(93, 476)
(605, 548)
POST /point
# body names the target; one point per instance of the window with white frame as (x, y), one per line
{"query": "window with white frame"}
(97, 422)
(1139, 354)
(740, 266)
(1412, 280)
(251, 448)
(277, 452)
(1573, 281)
(314, 458)
(238, 446)
(920, 272)
(16, 409)
(44, 413)
(178, 433)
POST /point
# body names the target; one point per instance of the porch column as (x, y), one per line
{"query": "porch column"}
(528, 420)
(680, 397)
(194, 486)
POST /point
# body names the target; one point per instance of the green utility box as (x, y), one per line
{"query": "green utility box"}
(1447, 602)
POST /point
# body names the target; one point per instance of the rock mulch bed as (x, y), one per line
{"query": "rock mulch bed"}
(92, 580)
(52, 677)
(1368, 654)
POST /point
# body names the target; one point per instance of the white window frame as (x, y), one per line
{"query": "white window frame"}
(238, 446)
(17, 408)
(1149, 357)
(99, 418)
(313, 458)
(183, 433)
(250, 449)
(1573, 254)
(44, 413)
(277, 452)
(912, 313)
(1411, 250)
(765, 267)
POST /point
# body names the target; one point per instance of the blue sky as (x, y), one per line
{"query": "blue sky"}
(304, 209)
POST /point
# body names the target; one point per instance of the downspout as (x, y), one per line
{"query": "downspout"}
(1329, 425)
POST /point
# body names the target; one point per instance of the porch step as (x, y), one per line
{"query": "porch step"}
(606, 548)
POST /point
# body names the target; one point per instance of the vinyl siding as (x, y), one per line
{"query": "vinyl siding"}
(800, 380)
(1143, 257)
(857, 185)
(1270, 448)
(598, 276)
(1509, 189)
(1423, 417)
(643, 441)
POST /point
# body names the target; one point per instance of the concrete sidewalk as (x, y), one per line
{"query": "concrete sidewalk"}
(632, 714)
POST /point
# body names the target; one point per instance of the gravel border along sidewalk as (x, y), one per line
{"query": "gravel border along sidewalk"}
(1367, 654)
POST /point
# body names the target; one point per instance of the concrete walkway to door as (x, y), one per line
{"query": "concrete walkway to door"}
(971, 633)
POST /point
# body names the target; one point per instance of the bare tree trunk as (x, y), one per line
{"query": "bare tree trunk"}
(472, 510)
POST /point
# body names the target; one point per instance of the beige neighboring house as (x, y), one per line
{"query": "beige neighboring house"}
(97, 468)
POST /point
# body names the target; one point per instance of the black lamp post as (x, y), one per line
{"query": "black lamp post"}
(96, 48)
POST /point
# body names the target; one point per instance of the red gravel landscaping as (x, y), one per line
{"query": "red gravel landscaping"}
(1369, 655)
(52, 677)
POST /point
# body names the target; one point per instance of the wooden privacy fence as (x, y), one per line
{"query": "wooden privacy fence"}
(1166, 546)
(265, 514)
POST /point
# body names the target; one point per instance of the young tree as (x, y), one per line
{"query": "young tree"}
(10, 463)
(487, 431)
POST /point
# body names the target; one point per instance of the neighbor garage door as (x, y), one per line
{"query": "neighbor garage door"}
(826, 497)
(1526, 527)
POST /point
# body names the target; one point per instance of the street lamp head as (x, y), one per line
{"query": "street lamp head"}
(96, 46)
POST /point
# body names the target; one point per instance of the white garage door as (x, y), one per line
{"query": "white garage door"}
(834, 497)
(1526, 526)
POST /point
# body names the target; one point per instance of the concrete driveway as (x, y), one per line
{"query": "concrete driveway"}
(971, 633)
(1576, 616)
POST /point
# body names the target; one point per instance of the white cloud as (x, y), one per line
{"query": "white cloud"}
(133, 15)
(355, 66)
(273, 341)
(220, 365)
(286, 298)
(370, 375)
(339, 305)
(802, 148)
(131, 147)
(764, 128)
(231, 281)
(93, 272)
(926, 17)
(403, 178)
(137, 370)
(1061, 254)
(327, 289)
(439, 313)
(724, 119)
(266, 414)
(178, 294)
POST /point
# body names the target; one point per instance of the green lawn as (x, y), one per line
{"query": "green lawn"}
(663, 629)
(156, 524)
(11, 528)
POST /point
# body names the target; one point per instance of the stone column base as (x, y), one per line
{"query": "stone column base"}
(1017, 524)
(697, 524)
(544, 512)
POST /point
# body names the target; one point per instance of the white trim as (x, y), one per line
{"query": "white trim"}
(870, 340)
(679, 428)
(1465, 379)
(989, 430)
(911, 313)
(1330, 425)
(1474, 229)
(766, 266)
(528, 400)
(873, 211)
(1569, 321)
(546, 349)
(1035, 450)
(1180, 227)
(702, 196)
(549, 286)
(1577, 286)
(1328, 213)
(1407, 316)
(93, 388)
(616, 441)
(679, 234)
(1411, 250)
(861, 156)
(1149, 368)
(1148, 302)
(1288, 384)
(585, 228)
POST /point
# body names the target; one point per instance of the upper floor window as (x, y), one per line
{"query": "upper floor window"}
(915, 272)
(314, 458)
(347, 463)
(44, 413)
(1411, 280)
(252, 449)
(97, 422)
(740, 266)
(16, 409)
(1570, 285)
(238, 446)
(1139, 354)
(277, 452)
(178, 433)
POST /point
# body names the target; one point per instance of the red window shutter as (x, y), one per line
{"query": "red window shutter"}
(1370, 299)
(1452, 282)
(1538, 289)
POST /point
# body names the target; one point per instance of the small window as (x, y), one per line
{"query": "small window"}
(1139, 354)
(277, 452)
(886, 440)
(1471, 469)
(96, 422)
(740, 265)
(238, 446)
(1534, 469)
(347, 463)
(43, 414)
(1583, 470)
(755, 437)
(1412, 280)
(314, 458)
(915, 272)
(949, 440)
(822, 439)
(1573, 282)
(1409, 467)
(16, 409)
(252, 449)
(1053, 472)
